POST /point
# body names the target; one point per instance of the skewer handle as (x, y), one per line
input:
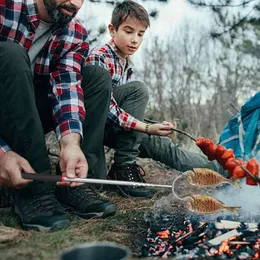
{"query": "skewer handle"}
(41, 177)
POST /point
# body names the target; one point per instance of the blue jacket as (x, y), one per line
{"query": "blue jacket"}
(241, 133)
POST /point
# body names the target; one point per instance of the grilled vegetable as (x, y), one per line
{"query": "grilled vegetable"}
(204, 204)
(220, 151)
(203, 177)
(252, 166)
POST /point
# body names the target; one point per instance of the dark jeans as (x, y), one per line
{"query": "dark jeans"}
(26, 115)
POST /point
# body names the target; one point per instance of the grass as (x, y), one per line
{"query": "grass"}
(127, 227)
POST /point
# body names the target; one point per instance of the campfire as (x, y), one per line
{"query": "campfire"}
(189, 237)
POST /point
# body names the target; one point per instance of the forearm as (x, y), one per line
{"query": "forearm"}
(141, 126)
(70, 140)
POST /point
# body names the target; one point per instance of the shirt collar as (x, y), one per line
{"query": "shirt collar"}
(114, 48)
(32, 13)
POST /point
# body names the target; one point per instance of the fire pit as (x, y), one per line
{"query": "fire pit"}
(190, 236)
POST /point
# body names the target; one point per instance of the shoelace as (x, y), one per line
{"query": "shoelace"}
(87, 192)
(44, 204)
(136, 173)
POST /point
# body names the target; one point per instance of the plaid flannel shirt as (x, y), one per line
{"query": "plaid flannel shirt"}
(106, 56)
(57, 66)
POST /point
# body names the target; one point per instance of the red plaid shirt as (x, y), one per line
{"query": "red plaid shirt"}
(106, 56)
(57, 66)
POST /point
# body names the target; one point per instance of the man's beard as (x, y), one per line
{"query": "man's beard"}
(56, 13)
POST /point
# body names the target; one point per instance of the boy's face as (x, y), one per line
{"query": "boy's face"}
(128, 37)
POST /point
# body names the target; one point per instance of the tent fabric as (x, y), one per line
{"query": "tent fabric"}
(241, 133)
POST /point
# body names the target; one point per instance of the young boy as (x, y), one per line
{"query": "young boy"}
(128, 102)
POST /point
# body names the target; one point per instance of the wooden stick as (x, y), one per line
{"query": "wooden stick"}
(218, 240)
(239, 243)
(189, 233)
(227, 224)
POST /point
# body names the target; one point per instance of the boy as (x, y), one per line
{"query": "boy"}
(128, 25)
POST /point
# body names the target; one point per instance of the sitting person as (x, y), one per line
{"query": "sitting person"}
(44, 87)
(128, 102)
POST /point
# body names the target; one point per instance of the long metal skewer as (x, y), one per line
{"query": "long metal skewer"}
(59, 178)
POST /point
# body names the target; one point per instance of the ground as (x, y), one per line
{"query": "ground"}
(127, 227)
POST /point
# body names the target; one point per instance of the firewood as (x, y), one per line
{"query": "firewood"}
(227, 224)
(218, 240)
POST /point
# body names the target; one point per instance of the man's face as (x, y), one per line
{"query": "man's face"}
(128, 37)
(62, 11)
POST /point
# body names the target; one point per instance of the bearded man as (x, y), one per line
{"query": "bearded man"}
(44, 87)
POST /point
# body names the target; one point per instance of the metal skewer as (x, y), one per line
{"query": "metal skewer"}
(254, 177)
(59, 178)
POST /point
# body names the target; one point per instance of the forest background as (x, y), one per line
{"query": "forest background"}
(199, 59)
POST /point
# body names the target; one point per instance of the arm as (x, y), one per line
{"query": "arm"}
(116, 114)
(65, 79)
(68, 108)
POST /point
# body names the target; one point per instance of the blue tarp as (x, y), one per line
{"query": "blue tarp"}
(241, 133)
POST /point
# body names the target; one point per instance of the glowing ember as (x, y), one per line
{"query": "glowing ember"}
(194, 241)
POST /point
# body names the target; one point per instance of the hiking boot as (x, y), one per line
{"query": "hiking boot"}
(130, 172)
(40, 212)
(85, 202)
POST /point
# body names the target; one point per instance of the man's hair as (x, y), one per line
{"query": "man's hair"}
(129, 8)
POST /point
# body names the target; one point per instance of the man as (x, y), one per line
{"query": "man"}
(44, 88)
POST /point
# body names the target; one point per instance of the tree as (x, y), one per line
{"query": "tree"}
(232, 16)
(194, 79)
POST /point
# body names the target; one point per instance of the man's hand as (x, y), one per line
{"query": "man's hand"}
(11, 166)
(160, 129)
(73, 163)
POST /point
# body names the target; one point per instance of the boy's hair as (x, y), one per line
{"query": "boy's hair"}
(129, 8)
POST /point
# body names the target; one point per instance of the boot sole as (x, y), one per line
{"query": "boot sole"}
(58, 225)
(109, 211)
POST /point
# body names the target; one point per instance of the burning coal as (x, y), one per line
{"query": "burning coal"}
(174, 232)
(196, 239)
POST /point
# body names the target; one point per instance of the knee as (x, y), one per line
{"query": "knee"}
(105, 77)
(98, 76)
(142, 89)
(13, 58)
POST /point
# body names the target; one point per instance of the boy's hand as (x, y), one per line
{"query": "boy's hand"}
(160, 129)
(73, 163)
(11, 166)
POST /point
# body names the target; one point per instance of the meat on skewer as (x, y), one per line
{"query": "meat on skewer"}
(203, 177)
(204, 204)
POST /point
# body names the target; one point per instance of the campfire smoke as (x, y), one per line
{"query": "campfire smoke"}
(247, 197)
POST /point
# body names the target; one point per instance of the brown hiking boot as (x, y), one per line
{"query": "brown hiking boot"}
(129, 172)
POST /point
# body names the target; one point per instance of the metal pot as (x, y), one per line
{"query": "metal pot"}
(97, 251)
